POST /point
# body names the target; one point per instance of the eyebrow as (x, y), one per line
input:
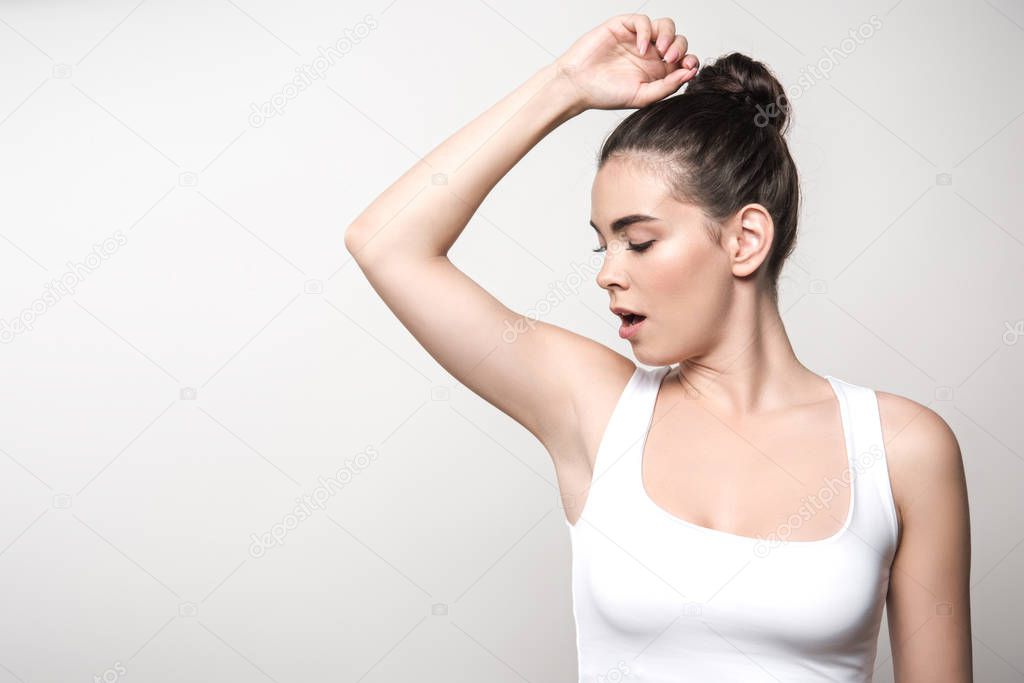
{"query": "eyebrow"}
(620, 224)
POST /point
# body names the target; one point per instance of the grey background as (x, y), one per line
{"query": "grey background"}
(225, 354)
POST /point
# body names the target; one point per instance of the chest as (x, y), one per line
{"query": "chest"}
(813, 596)
(787, 476)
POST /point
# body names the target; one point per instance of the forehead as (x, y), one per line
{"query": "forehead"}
(620, 180)
(622, 187)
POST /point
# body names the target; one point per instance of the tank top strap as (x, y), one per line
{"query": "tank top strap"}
(630, 420)
(875, 519)
(611, 488)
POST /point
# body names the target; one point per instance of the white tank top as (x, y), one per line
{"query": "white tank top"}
(659, 599)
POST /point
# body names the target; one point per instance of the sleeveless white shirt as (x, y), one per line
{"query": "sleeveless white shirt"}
(659, 599)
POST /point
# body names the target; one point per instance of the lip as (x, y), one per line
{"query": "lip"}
(628, 331)
(620, 311)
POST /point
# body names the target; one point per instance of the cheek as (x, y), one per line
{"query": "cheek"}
(692, 284)
(683, 268)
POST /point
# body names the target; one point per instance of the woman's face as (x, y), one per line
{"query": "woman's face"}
(683, 282)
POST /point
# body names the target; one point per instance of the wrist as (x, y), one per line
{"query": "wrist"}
(560, 90)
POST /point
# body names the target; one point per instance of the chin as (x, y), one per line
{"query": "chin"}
(654, 357)
(647, 357)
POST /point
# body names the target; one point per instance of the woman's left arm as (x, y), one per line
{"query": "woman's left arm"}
(929, 606)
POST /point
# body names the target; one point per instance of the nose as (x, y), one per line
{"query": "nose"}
(611, 273)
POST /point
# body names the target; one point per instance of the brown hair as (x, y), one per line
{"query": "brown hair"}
(720, 145)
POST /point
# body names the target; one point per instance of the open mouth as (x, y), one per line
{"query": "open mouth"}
(631, 323)
(632, 318)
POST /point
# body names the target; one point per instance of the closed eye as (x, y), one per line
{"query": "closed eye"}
(632, 247)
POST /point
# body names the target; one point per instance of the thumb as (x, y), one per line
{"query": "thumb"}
(663, 87)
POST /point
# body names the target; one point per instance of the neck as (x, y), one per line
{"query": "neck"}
(751, 368)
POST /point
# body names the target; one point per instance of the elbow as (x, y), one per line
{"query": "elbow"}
(367, 246)
(352, 238)
(367, 251)
(356, 239)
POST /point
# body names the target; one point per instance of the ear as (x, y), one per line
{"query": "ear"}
(750, 239)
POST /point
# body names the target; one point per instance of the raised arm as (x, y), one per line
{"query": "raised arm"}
(402, 239)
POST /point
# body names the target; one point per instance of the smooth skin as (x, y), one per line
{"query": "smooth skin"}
(751, 415)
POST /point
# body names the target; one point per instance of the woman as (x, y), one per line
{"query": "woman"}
(733, 515)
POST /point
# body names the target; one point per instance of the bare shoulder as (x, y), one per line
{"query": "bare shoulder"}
(595, 375)
(931, 569)
(922, 451)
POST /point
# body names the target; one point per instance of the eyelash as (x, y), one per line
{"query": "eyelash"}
(632, 247)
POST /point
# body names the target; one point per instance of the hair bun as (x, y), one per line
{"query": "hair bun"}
(750, 83)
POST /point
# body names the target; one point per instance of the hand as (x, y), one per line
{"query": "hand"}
(616, 65)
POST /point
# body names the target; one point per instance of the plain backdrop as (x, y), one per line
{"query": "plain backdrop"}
(189, 353)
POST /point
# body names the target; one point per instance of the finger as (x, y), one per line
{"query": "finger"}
(677, 49)
(640, 24)
(644, 33)
(663, 87)
(664, 32)
(690, 62)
